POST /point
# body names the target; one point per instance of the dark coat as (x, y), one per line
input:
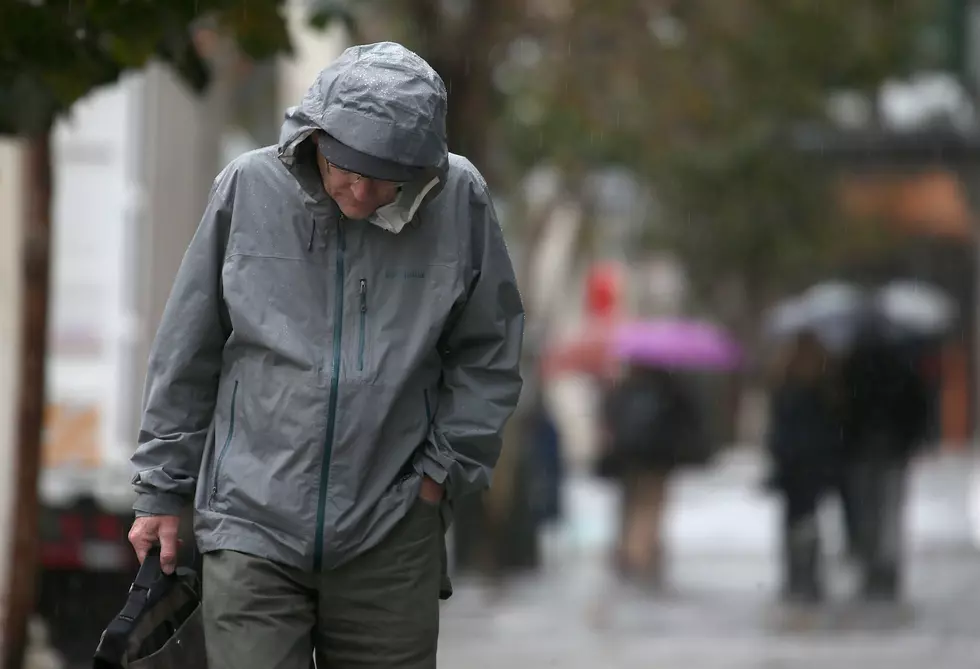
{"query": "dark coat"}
(805, 437)
(886, 401)
(653, 423)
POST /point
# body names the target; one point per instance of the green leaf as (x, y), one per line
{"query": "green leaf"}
(55, 52)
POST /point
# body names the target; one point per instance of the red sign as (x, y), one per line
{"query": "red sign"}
(604, 291)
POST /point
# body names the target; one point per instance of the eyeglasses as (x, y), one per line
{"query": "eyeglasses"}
(353, 177)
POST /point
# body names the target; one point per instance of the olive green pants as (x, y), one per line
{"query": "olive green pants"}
(379, 610)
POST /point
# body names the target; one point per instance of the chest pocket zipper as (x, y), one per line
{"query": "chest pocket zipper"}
(224, 447)
(362, 332)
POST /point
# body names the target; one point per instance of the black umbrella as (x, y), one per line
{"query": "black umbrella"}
(831, 310)
(837, 312)
(160, 626)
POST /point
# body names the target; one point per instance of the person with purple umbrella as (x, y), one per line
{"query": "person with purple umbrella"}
(652, 425)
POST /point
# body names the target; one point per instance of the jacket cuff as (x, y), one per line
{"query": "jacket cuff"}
(159, 504)
(432, 467)
(434, 470)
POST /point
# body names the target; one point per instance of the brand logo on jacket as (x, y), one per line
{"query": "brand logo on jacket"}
(404, 273)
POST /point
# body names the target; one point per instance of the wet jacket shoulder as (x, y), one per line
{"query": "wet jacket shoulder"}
(466, 191)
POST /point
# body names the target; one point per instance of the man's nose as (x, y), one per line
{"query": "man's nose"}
(361, 189)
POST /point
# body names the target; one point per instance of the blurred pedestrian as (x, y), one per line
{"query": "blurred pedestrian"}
(652, 424)
(886, 422)
(804, 443)
(334, 368)
(549, 475)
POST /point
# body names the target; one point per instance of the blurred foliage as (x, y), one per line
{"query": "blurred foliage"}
(692, 95)
(53, 52)
(696, 95)
(746, 207)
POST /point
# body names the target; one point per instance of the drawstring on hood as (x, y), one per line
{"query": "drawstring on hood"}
(396, 215)
(382, 100)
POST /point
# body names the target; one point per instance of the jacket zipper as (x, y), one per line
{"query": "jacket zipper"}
(361, 334)
(338, 323)
(224, 447)
(428, 407)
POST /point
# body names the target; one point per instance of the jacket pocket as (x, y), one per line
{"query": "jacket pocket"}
(224, 447)
(362, 327)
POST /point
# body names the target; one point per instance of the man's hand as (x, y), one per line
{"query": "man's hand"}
(148, 531)
(431, 491)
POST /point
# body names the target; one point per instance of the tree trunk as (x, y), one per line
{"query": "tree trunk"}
(24, 519)
(462, 57)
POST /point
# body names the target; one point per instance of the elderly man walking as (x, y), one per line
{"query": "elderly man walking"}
(334, 368)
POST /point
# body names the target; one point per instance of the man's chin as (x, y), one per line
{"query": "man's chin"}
(356, 213)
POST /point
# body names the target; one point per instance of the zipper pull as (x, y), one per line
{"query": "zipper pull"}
(363, 295)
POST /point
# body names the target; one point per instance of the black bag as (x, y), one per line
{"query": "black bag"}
(160, 627)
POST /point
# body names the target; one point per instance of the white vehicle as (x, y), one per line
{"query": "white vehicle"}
(84, 487)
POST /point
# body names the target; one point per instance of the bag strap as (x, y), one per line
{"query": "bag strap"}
(149, 574)
(112, 647)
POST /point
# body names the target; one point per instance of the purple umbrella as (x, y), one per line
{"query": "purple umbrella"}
(677, 344)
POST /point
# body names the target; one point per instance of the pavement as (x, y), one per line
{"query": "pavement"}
(720, 610)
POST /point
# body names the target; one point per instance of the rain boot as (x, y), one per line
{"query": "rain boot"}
(802, 578)
(882, 554)
(881, 583)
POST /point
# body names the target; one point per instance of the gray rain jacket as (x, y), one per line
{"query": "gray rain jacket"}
(310, 369)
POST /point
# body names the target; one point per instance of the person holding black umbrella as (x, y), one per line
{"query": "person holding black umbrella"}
(886, 421)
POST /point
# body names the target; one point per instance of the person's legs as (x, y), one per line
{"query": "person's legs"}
(661, 491)
(882, 560)
(849, 516)
(257, 614)
(643, 541)
(382, 608)
(627, 509)
(802, 579)
(654, 511)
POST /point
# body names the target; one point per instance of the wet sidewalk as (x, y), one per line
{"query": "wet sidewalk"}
(720, 610)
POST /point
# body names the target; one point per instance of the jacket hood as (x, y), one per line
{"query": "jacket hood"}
(383, 100)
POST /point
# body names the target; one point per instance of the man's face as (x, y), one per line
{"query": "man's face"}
(358, 197)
